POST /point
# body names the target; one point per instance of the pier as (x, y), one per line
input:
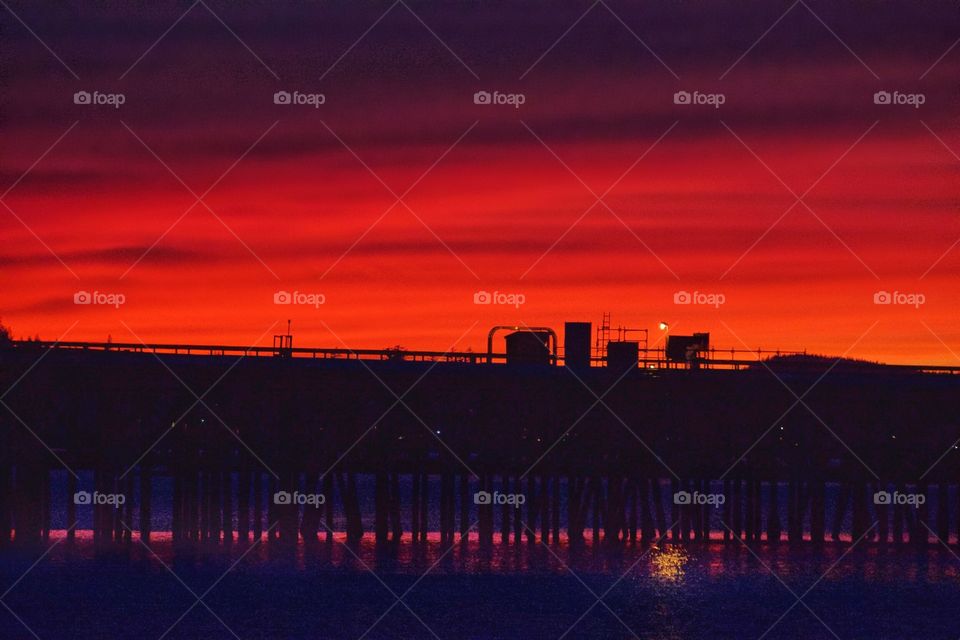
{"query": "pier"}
(292, 445)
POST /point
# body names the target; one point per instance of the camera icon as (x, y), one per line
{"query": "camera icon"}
(82, 497)
(682, 97)
(482, 97)
(882, 97)
(882, 297)
(282, 97)
(282, 297)
(482, 297)
(82, 97)
(482, 497)
(882, 497)
(682, 497)
(282, 497)
(82, 297)
(682, 297)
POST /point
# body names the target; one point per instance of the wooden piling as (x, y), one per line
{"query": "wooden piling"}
(415, 507)
(258, 506)
(243, 505)
(774, 527)
(465, 500)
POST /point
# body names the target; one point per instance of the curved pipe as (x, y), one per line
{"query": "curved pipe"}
(499, 327)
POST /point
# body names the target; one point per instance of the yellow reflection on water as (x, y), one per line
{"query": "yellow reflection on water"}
(668, 563)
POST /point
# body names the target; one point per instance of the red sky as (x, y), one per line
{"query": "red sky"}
(702, 209)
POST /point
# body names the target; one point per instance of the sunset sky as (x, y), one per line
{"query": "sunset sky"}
(296, 198)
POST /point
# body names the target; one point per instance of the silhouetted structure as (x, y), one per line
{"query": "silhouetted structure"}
(593, 451)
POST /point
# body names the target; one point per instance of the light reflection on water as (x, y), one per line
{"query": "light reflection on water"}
(468, 590)
(665, 562)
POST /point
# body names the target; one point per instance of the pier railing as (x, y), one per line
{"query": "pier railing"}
(654, 359)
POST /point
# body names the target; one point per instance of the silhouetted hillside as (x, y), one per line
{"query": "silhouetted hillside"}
(813, 362)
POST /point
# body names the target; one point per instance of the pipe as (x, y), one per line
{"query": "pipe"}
(548, 330)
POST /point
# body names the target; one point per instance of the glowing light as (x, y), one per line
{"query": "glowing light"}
(668, 564)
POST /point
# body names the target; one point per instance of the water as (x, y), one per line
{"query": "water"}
(512, 591)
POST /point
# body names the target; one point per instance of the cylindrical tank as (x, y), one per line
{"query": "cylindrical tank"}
(528, 347)
(576, 344)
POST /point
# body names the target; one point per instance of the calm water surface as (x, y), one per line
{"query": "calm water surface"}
(514, 591)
